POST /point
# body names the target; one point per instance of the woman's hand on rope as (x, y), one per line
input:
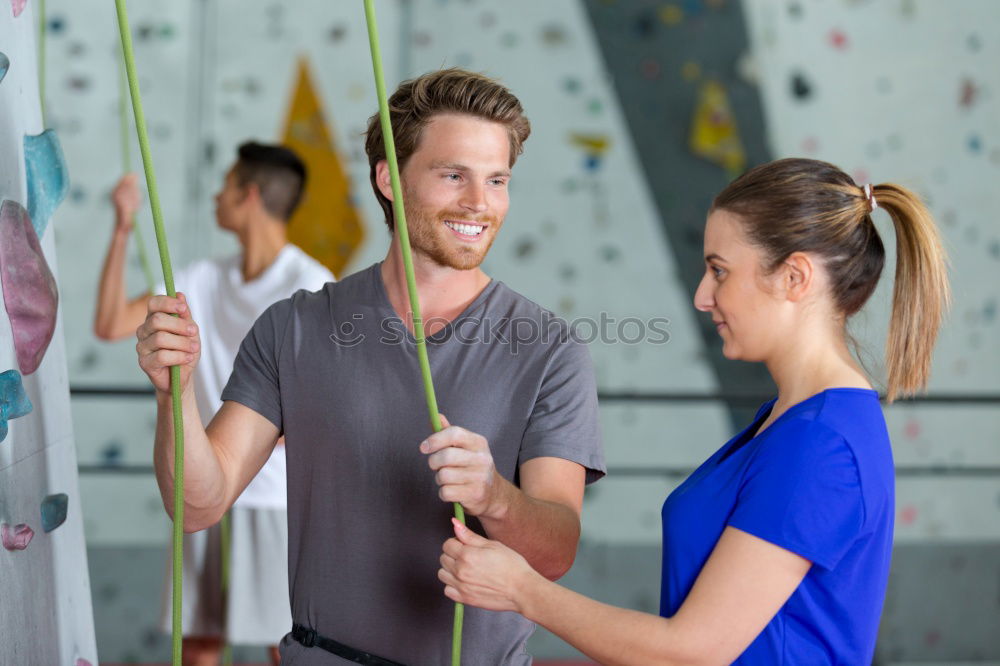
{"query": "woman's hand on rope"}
(164, 341)
(464, 469)
(126, 200)
(483, 573)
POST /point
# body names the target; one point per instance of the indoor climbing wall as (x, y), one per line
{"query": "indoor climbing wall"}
(122, 513)
(45, 613)
(906, 91)
(84, 83)
(682, 73)
(126, 527)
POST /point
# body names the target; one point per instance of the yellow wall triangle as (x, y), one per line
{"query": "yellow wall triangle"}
(326, 224)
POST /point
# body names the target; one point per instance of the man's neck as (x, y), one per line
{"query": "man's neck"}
(262, 242)
(444, 292)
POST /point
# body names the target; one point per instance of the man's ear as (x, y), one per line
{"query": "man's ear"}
(798, 275)
(383, 179)
(251, 194)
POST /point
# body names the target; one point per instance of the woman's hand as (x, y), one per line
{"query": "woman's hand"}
(484, 573)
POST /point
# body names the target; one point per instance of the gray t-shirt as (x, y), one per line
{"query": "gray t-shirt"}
(337, 372)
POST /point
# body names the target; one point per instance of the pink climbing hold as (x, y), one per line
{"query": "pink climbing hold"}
(80, 661)
(18, 6)
(29, 289)
(17, 537)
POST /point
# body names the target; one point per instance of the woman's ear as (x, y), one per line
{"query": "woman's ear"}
(798, 273)
(383, 179)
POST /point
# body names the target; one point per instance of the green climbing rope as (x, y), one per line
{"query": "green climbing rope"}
(399, 215)
(225, 547)
(126, 130)
(168, 280)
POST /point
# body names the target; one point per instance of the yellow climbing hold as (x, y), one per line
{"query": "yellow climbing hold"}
(592, 144)
(691, 71)
(714, 135)
(671, 14)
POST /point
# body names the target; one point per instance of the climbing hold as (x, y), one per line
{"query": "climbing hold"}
(594, 147)
(48, 178)
(18, 6)
(29, 289)
(610, 253)
(645, 25)
(111, 454)
(690, 71)
(16, 537)
(13, 400)
(571, 85)
(838, 39)
(554, 35)
(968, 94)
(595, 144)
(524, 248)
(671, 14)
(714, 134)
(54, 511)
(4, 65)
(337, 33)
(801, 88)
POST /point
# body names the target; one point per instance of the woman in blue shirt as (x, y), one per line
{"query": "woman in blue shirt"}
(776, 549)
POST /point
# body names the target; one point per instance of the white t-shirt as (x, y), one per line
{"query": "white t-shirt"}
(225, 307)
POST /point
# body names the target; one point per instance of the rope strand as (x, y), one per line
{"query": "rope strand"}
(411, 282)
(140, 244)
(175, 371)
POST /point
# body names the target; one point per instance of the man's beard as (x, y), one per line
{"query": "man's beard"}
(427, 238)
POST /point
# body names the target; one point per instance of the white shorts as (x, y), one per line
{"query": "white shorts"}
(257, 611)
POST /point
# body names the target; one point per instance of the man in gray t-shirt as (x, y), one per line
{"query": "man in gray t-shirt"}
(336, 373)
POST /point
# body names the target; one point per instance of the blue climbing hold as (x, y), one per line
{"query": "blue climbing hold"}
(54, 511)
(111, 454)
(4, 65)
(13, 400)
(48, 178)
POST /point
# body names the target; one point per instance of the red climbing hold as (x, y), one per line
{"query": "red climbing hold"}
(29, 289)
(16, 537)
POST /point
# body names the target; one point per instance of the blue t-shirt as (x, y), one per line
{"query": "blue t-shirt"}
(819, 482)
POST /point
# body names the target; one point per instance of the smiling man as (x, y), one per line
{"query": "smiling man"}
(369, 485)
